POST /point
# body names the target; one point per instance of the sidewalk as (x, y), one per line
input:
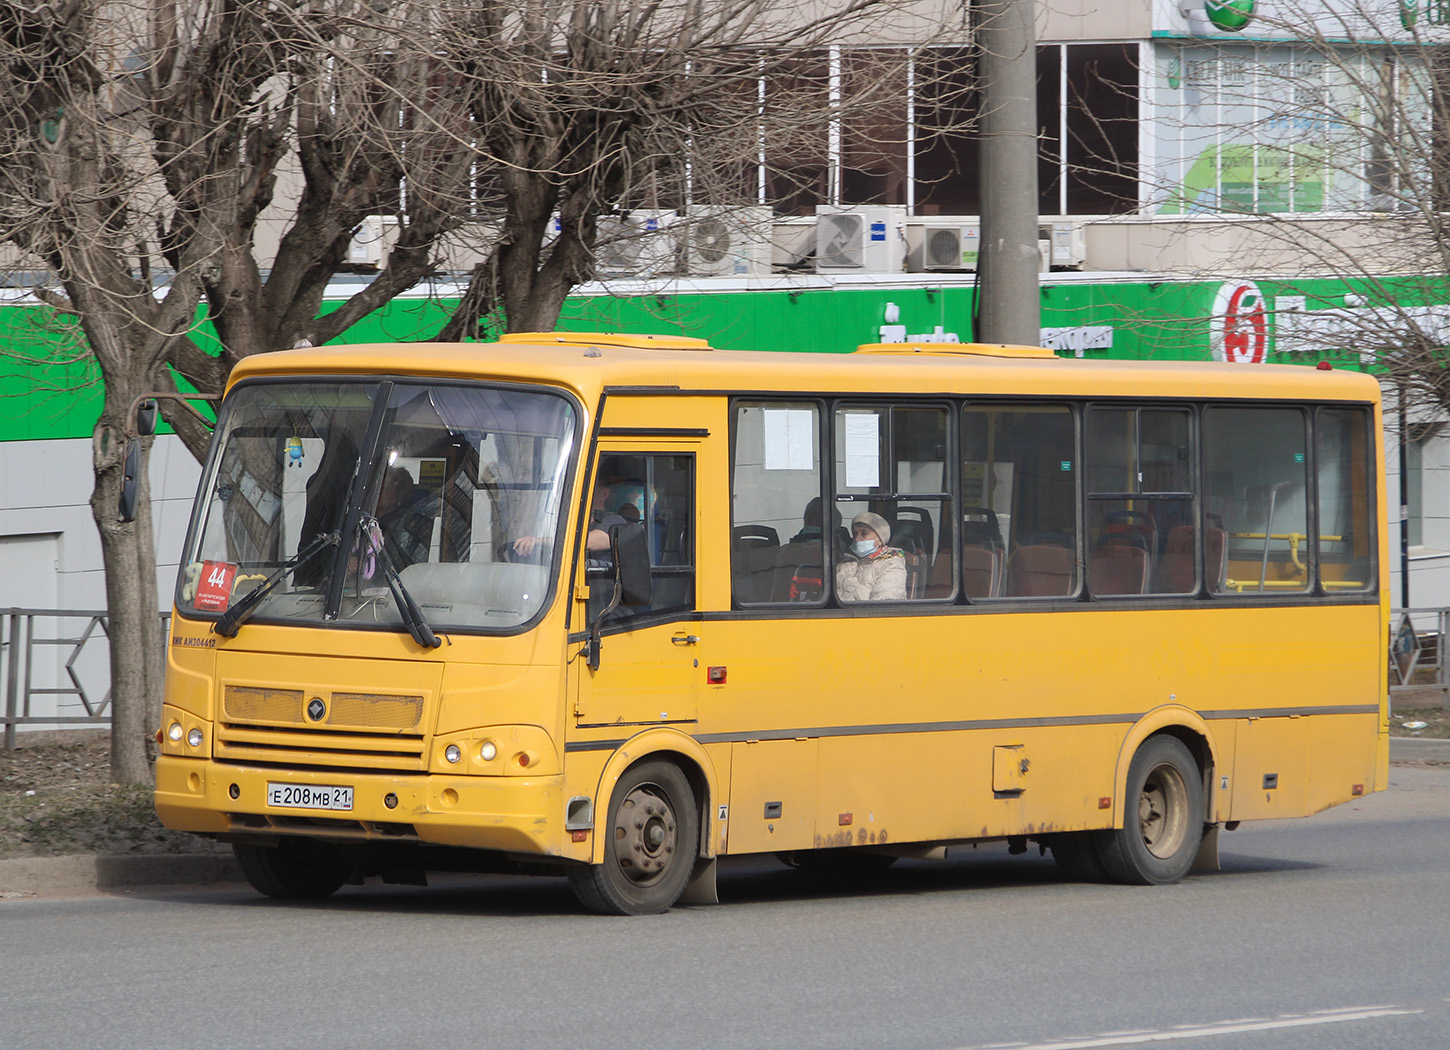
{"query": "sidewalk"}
(87, 873)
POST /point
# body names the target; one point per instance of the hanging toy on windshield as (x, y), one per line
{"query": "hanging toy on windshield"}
(294, 451)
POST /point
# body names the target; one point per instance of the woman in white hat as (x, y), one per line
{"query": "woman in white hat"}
(874, 571)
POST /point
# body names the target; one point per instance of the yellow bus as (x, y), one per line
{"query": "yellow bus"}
(613, 607)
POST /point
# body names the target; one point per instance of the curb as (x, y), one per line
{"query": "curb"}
(84, 873)
(1418, 749)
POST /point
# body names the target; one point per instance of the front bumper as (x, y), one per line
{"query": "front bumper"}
(522, 815)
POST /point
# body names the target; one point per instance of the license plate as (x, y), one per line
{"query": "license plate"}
(308, 796)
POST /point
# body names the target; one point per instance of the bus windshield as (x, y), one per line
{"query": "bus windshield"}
(456, 489)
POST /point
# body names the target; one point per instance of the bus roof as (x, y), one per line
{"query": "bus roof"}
(587, 363)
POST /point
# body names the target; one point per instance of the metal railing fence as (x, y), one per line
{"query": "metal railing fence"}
(1432, 627)
(24, 634)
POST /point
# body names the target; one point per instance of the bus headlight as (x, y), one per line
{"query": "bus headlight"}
(452, 753)
(194, 738)
(489, 751)
(173, 732)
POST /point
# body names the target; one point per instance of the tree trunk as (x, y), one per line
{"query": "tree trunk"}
(135, 644)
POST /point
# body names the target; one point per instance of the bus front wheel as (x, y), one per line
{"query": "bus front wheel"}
(294, 869)
(1164, 820)
(652, 836)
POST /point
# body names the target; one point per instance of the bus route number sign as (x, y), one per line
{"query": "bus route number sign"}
(214, 585)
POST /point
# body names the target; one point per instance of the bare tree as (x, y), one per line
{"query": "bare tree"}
(141, 145)
(192, 173)
(1314, 151)
(586, 109)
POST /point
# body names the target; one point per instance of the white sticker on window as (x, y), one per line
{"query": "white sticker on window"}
(863, 450)
(790, 439)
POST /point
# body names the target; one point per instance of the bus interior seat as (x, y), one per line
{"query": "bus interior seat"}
(1215, 556)
(1176, 566)
(1041, 570)
(1131, 528)
(752, 561)
(1119, 568)
(907, 538)
(916, 523)
(979, 526)
(799, 581)
(982, 571)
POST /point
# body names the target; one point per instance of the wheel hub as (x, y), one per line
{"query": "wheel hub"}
(1163, 811)
(645, 833)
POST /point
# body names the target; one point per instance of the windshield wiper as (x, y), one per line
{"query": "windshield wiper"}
(407, 607)
(231, 621)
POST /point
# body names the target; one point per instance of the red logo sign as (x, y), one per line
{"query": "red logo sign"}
(214, 585)
(1240, 326)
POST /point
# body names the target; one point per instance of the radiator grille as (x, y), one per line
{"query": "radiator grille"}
(365, 731)
(248, 704)
(375, 711)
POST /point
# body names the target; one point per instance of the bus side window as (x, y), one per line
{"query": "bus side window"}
(1346, 539)
(1018, 528)
(1256, 468)
(780, 527)
(654, 492)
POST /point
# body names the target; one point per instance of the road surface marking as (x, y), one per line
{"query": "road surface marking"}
(1352, 1013)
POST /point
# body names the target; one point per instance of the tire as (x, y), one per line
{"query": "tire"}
(1076, 855)
(294, 869)
(652, 836)
(1163, 822)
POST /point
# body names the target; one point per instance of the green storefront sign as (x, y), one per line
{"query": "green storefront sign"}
(53, 389)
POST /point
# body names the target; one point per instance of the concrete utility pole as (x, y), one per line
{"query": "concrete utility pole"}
(1007, 269)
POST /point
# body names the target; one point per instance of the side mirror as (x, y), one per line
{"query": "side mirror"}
(146, 413)
(131, 480)
(631, 562)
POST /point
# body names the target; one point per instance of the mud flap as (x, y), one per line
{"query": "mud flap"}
(701, 887)
(1207, 859)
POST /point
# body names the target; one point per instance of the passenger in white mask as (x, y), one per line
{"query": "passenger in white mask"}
(873, 571)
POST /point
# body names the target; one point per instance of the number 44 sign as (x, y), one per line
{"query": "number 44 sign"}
(214, 585)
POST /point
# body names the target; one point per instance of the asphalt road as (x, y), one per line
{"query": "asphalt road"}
(1330, 932)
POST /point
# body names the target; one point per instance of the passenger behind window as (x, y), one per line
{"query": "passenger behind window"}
(800, 565)
(872, 571)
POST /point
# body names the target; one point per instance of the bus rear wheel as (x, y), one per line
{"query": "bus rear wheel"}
(652, 836)
(294, 869)
(1163, 825)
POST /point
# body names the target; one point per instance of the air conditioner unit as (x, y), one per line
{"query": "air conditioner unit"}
(636, 244)
(1069, 246)
(859, 240)
(792, 243)
(721, 241)
(372, 240)
(944, 246)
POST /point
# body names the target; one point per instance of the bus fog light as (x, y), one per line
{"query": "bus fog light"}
(489, 751)
(194, 738)
(452, 753)
(173, 732)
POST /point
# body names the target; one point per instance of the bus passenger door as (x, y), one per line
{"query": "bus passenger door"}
(649, 664)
